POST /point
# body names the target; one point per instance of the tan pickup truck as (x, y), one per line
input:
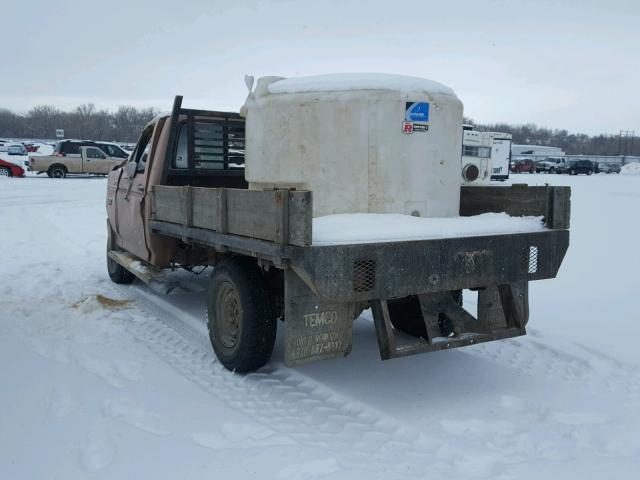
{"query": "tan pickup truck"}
(91, 160)
(181, 202)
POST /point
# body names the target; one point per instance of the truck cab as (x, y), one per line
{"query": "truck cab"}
(197, 148)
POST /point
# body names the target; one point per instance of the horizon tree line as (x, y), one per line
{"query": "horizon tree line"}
(126, 123)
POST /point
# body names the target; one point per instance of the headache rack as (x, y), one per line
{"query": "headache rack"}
(213, 143)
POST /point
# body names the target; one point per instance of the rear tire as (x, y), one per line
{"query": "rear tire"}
(241, 317)
(57, 171)
(117, 273)
(589, 172)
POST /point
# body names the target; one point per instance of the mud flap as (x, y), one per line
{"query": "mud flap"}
(315, 329)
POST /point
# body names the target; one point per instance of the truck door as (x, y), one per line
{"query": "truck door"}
(95, 160)
(73, 157)
(500, 157)
(130, 198)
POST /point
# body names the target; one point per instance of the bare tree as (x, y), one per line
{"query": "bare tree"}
(85, 122)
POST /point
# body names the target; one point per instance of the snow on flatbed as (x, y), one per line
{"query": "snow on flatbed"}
(105, 381)
(349, 228)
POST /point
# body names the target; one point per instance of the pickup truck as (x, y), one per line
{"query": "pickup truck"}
(91, 160)
(551, 165)
(181, 202)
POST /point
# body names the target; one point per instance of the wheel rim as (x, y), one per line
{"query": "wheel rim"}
(4, 172)
(57, 173)
(228, 315)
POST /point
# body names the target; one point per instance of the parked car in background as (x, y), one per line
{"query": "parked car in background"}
(608, 167)
(31, 147)
(8, 169)
(72, 148)
(4, 145)
(521, 166)
(576, 167)
(17, 149)
(90, 159)
(550, 164)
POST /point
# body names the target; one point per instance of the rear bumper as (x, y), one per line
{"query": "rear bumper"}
(330, 282)
(350, 273)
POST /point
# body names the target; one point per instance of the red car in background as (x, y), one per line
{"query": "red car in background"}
(31, 147)
(521, 166)
(8, 169)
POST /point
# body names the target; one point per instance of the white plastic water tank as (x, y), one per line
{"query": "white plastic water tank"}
(376, 143)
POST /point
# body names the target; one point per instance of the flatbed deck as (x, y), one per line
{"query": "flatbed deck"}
(336, 281)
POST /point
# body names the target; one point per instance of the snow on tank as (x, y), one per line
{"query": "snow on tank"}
(377, 143)
(359, 81)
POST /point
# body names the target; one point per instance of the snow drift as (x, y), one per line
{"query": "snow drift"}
(631, 169)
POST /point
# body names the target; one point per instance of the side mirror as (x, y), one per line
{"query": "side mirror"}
(130, 169)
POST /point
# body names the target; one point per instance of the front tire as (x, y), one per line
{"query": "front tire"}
(241, 317)
(5, 172)
(117, 273)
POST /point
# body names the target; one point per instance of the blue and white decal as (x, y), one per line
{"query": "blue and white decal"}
(417, 112)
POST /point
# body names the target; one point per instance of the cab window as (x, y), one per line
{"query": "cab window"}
(95, 153)
(141, 153)
(181, 160)
(113, 151)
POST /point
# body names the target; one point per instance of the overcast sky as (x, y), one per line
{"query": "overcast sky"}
(563, 64)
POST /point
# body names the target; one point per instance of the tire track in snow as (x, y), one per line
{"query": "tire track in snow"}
(365, 439)
(562, 360)
(286, 402)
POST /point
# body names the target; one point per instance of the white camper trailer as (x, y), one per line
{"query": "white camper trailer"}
(485, 156)
(500, 155)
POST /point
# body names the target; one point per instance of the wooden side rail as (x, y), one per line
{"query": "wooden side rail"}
(281, 216)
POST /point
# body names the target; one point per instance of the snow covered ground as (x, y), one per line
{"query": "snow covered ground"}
(105, 381)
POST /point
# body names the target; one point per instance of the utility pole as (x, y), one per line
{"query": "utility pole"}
(625, 143)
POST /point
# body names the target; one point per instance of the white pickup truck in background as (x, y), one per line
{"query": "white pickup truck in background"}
(91, 160)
